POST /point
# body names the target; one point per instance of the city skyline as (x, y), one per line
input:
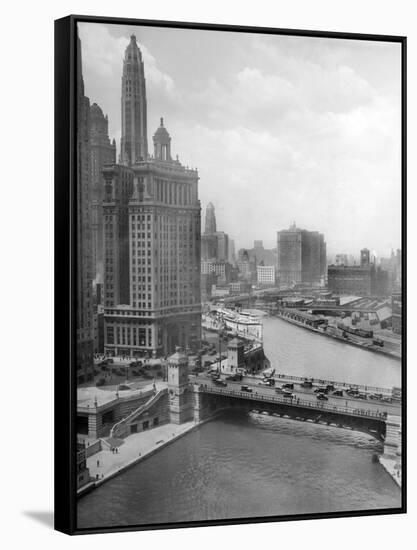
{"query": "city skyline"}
(284, 111)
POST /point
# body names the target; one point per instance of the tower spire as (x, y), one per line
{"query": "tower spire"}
(134, 141)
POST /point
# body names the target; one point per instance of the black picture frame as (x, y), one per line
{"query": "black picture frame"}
(66, 266)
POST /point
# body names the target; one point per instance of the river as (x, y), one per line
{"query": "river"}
(300, 352)
(246, 466)
(253, 465)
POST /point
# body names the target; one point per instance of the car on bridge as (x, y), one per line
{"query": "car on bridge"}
(288, 395)
(321, 389)
(322, 397)
(268, 382)
(375, 396)
(288, 386)
(338, 393)
(361, 396)
(247, 389)
(219, 382)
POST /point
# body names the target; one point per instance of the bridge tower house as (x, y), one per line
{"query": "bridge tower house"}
(235, 355)
(181, 405)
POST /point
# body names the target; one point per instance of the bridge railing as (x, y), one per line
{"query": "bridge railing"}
(324, 382)
(294, 402)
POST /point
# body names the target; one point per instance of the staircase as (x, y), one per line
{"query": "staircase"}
(119, 429)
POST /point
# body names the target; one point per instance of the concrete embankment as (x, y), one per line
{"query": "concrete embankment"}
(106, 464)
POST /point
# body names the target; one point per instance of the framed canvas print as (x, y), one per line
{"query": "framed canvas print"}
(230, 274)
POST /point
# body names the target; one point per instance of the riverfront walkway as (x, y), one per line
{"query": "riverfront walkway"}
(136, 447)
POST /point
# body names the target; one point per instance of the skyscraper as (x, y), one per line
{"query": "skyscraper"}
(301, 256)
(152, 232)
(84, 318)
(134, 141)
(102, 152)
(210, 227)
(365, 257)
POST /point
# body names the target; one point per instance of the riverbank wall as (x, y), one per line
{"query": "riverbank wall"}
(135, 448)
(336, 337)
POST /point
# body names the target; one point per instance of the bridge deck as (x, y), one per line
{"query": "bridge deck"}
(296, 402)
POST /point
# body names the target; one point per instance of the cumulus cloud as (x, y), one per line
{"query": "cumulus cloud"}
(280, 128)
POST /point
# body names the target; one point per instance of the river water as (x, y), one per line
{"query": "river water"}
(300, 352)
(246, 466)
(252, 465)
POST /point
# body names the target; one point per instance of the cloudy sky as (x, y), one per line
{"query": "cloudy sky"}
(280, 128)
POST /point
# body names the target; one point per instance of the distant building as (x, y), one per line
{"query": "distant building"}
(221, 269)
(210, 226)
(301, 256)
(232, 252)
(222, 246)
(350, 280)
(209, 247)
(365, 257)
(341, 259)
(266, 275)
(396, 304)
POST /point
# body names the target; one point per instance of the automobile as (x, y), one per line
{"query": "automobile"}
(288, 386)
(214, 375)
(322, 397)
(219, 382)
(278, 389)
(360, 396)
(338, 393)
(321, 389)
(330, 387)
(375, 396)
(288, 394)
(234, 377)
(352, 392)
(386, 399)
(268, 382)
(246, 388)
(306, 384)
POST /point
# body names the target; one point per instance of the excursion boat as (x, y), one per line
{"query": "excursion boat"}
(245, 324)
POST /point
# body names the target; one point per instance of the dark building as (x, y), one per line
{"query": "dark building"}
(84, 286)
(301, 256)
(209, 247)
(350, 280)
(365, 257)
(102, 152)
(356, 280)
(152, 232)
(214, 244)
(396, 303)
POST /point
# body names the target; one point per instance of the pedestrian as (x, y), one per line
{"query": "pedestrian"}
(98, 463)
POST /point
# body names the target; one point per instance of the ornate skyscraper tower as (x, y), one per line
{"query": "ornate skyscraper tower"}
(134, 141)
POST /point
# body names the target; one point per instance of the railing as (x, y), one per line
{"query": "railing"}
(294, 402)
(323, 382)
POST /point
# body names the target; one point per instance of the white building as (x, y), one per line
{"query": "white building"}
(266, 275)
